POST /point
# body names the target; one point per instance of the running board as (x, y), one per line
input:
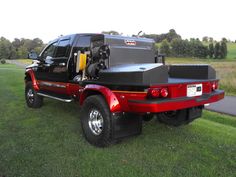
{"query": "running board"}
(67, 100)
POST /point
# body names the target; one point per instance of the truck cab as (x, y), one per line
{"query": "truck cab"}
(119, 84)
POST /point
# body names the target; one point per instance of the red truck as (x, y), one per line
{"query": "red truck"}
(119, 83)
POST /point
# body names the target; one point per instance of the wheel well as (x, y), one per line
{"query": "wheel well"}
(89, 93)
(92, 92)
(106, 93)
(27, 77)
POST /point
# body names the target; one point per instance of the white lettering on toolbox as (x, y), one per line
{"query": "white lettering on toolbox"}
(130, 42)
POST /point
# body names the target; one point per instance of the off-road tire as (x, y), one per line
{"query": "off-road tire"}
(96, 102)
(35, 101)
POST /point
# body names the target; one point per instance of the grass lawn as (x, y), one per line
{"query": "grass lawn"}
(48, 142)
(231, 51)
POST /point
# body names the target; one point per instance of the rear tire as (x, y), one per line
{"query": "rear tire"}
(32, 99)
(173, 118)
(96, 121)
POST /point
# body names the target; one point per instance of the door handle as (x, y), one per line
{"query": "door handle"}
(62, 64)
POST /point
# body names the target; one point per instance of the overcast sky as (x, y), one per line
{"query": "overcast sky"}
(47, 19)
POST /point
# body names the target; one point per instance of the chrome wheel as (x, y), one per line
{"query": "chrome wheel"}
(30, 95)
(95, 122)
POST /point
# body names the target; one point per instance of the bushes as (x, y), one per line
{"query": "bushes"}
(3, 61)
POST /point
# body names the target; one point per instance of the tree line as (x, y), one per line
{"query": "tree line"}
(193, 48)
(172, 44)
(19, 48)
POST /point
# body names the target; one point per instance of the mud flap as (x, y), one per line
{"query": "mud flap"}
(193, 113)
(125, 125)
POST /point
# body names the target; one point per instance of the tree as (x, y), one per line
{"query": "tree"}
(178, 47)
(202, 51)
(211, 50)
(5, 48)
(211, 39)
(16, 43)
(165, 48)
(199, 50)
(36, 42)
(217, 52)
(224, 40)
(22, 52)
(172, 35)
(223, 49)
(205, 39)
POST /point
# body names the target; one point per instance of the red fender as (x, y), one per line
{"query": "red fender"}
(34, 81)
(110, 97)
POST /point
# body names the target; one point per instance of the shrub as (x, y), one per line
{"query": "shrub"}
(3, 61)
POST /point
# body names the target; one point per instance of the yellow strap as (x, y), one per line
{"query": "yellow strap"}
(81, 62)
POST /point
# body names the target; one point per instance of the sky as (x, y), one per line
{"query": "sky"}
(48, 19)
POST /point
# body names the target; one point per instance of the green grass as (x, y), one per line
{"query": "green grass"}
(48, 142)
(231, 51)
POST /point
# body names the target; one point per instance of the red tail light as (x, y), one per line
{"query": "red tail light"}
(156, 92)
(164, 92)
(214, 86)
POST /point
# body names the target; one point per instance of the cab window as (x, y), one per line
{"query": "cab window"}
(49, 51)
(83, 44)
(63, 48)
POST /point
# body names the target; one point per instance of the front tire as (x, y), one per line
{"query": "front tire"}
(32, 99)
(96, 121)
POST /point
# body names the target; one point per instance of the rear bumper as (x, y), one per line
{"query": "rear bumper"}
(162, 105)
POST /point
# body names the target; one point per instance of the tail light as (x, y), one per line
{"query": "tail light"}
(157, 93)
(214, 86)
(154, 93)
(164, 92)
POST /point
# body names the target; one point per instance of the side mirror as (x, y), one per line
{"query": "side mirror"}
(32, 55)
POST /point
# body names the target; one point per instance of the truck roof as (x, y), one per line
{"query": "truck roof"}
(108, 36)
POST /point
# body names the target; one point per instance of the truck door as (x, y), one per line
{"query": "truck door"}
(43, 69)
(58, 64)
(53, 62)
